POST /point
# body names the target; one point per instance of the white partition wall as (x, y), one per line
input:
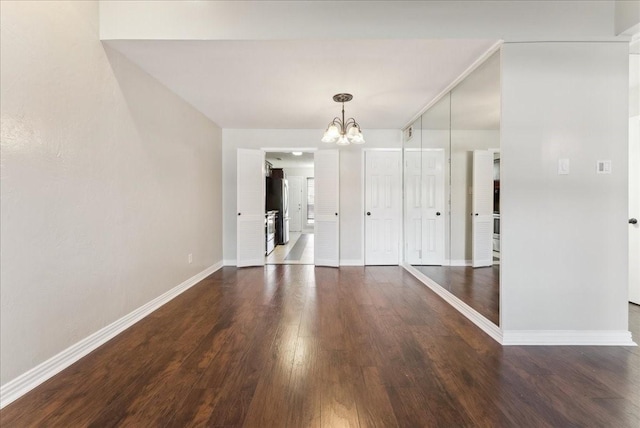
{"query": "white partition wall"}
(564, 276)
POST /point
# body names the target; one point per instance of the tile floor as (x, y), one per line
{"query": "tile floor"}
(279, 256)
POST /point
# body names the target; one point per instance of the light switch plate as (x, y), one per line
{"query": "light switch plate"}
(603, 167)
(563, 166)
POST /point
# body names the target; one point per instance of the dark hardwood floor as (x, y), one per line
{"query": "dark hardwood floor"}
(477, 287)
(298, 346)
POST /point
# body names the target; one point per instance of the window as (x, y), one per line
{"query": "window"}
(310, 200)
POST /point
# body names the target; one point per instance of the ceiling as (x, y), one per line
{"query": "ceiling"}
(475, 102)
(290, 84)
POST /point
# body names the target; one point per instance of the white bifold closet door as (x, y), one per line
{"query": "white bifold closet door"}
(413, 206)
(326, 208)
(634, 208)
(251, 235)
(482, 209)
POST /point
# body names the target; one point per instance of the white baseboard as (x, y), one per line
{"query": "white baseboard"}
(343, 262)
(471, 314)
(346, 262)
(527, 337)
(24, 383)
(568, 337)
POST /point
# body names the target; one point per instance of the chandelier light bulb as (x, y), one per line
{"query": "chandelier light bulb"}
(328, 138)
(333, 131)
(358, 138)
(342, 141)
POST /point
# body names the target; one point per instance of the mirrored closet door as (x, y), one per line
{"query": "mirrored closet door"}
(452, 190)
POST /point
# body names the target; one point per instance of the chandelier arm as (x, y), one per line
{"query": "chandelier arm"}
(336, 121)
(351, 122)
(339, 123)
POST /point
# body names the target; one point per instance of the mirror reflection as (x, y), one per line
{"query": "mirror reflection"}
(426, 182)
(452, 191)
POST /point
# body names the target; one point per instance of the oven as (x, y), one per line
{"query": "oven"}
(270, 231)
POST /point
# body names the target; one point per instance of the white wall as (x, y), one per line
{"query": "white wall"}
(352, 214)
(564, 237)
(300, 172)
(108, 182)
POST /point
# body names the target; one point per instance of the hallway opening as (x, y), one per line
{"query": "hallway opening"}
(289, 203)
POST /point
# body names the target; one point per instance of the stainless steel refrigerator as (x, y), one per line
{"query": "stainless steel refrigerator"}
(278, 200)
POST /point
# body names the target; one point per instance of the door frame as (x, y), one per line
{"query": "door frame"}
(363, 166)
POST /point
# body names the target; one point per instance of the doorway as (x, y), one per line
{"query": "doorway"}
(289, 202)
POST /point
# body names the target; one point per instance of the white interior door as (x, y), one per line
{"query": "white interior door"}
(250, 235)
(327, 195)
(295, 203)
(433, 208)
(382, 205)
(413, 206)
(482, 208)
(634, 209)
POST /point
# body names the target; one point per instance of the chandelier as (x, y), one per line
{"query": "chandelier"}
(340, 131)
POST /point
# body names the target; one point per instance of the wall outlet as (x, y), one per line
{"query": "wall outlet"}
(190, 258)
